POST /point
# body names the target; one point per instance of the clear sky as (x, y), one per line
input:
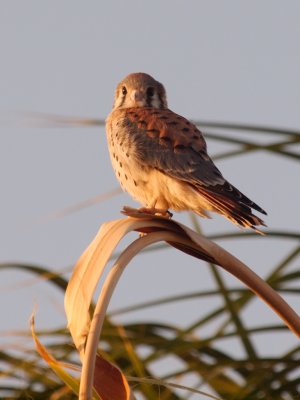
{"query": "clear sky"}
(222, 61)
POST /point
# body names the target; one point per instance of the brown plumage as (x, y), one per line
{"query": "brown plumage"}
(161, 158)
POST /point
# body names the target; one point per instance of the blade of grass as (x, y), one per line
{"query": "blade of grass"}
(80, 206)
(228, 303)
(43, 273)
(245, 298)
(247, 127)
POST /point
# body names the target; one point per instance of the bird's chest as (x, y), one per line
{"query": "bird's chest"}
(127, 163)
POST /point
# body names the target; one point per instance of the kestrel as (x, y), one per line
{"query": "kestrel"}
(160, 158)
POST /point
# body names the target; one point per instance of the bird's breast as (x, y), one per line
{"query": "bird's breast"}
(131, 172)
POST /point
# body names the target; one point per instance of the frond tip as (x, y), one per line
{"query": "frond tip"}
(90, 267)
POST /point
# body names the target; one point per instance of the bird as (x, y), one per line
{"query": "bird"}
(160, 158)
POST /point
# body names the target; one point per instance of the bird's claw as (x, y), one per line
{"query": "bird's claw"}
(138, 212)
(156, 211)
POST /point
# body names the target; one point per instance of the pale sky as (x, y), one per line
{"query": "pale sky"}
(221, 61)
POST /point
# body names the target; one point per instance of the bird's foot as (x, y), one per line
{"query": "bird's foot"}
(156, 211)
(138, 212)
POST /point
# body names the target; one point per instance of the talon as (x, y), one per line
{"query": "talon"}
(138, 212)
(156, 211)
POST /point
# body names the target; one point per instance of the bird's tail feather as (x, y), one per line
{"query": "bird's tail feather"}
(233, 209)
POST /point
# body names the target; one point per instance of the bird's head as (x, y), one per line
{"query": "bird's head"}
(140, 90)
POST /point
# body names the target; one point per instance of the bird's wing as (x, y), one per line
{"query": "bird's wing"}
(175, 146)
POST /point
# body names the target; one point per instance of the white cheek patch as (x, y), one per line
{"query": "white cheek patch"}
(155, 101)
(118, 101)
(123, 102)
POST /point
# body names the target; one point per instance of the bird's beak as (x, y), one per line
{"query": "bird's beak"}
(137, 98)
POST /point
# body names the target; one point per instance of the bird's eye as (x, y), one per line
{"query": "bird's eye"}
(124, 90)
(150, 91)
